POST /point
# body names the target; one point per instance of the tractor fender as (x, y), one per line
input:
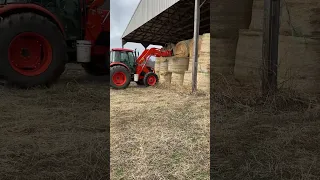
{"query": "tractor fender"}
(9, 9)
(119, 64)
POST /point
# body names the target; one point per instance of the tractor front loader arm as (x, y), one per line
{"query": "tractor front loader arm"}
(143, 59)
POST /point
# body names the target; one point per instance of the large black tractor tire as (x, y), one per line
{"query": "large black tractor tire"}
(32, 50)
(120, 77)
(150, 79)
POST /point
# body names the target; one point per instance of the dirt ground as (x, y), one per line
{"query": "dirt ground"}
(159, 133)
(277, 138)
(57, 133)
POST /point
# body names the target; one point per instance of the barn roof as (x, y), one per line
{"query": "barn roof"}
(159, 22)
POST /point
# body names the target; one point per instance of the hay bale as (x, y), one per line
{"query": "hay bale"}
(203, 80)
(223, 53)
(204, 62)
(178, 64)
(298, 68)
(257, 15)
(177, 78)
(157, 65)
(163, 65)
(191, 42)
(248, 57)
(228, 16)
(205, 44)
(298, 18)
(182, 49)
(190, 66)
(299, 65)
(165, 78)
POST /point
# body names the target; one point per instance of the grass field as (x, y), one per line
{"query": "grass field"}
(277, 138)
(159, 133)
(57, 133)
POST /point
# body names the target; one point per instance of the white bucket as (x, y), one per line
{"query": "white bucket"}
(136, 77)
(83, 51)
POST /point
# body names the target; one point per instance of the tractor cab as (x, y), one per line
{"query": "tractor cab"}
(124, 56)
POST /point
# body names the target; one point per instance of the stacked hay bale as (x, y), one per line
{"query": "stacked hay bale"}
(204, 54)
(203, 74)
(203, 80)
(223, 55)
(165, 75)
(298, 66)
(178, 66)
(227, 17)
(191, 43)
(249, 57)
(298, 18)
(157, 66)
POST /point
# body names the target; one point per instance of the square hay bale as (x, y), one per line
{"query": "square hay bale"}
(298, 66)
(298, 18)
(203, 80)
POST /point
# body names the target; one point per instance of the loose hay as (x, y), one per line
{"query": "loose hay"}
(170, 141)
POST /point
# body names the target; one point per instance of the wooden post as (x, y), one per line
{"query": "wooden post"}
(195, 44)
(270, 46)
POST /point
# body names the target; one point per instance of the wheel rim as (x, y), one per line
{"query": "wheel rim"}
(119, 78)
(152, 80)
(30, 54)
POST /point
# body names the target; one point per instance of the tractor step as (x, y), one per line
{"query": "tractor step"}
(136, 77)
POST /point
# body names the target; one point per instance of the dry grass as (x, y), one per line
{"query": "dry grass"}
(273, 138)
(159, 133)
(57, 133)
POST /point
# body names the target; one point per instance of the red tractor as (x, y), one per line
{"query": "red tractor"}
(38, 37)
(125, 67)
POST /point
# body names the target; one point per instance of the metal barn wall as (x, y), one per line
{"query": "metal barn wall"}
(146, 10)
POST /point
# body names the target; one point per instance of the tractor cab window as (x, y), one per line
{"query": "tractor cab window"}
(124, 57)
(131, 57)
(115, 56)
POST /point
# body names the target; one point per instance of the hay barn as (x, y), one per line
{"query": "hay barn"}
(170, 23)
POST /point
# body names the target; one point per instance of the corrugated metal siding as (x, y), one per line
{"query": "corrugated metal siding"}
(146, 10)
